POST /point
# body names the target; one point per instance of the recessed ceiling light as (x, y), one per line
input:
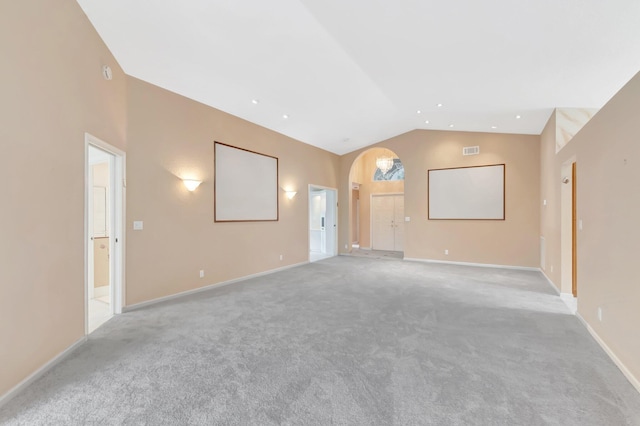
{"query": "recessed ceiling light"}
(255, 101)
(450, 125)
(494, 127)
(439, 105)
(418, 112)
(517, 116)
(426, 122)
(285, 116)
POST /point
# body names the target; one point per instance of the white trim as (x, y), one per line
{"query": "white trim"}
(553, 286)
(208, 287)
(11, 393)
(336, 214)
(632, 379)
(567, 298)
(482, 265)
(117, 169)
(570, 301)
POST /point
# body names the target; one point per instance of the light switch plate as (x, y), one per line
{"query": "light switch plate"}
(137, 225)
(407, 219)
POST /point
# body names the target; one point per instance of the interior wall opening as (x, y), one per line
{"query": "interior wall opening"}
(377, 202)
(104, 230)
(323, 232)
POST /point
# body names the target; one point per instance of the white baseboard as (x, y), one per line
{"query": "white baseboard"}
(135, 306)
(482, 265)
(570, 301)
(553, 286)
(40, 372)
(632, 379)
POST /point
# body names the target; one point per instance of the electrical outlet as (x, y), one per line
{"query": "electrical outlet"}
(280, 257)
(446, 252)
(346, 247)
(201, 273)
(551, 268)
(600, 314)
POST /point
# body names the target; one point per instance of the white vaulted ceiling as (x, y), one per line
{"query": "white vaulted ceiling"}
(349, 73)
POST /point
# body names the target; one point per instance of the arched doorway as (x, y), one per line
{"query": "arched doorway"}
(376, 220)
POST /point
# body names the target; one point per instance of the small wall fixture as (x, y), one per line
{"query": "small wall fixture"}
(565, 180)
(106, 72)
(191, 184)
(290, 194)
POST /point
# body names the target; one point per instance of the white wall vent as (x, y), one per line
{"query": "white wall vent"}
(471, 150)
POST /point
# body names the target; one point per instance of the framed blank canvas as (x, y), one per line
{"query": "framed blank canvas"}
(467, 193)
(245, 185)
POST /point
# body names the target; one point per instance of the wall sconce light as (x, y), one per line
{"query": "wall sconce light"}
(191, 184)
(290, 194)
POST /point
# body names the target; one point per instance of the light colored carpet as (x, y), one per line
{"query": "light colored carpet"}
(377, 254)
(345, 340)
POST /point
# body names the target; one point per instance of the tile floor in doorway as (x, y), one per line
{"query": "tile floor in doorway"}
(99, 312)
(314, 256)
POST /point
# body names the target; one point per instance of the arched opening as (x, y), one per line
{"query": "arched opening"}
(376, 222)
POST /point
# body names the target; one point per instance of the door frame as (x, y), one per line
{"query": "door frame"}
(117, 176)
(335, 215)
(568, 231)
(574, 232)
(378, 194)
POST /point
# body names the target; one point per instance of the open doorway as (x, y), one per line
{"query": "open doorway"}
(323, 230)
(104, 211)
(376, 208)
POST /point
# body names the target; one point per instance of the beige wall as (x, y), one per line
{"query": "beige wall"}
(52, 92)
(550, 187)
(172, 137)
(607, 155)
(363, 170)
(513, 241)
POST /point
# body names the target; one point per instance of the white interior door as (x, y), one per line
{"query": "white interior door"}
(317, 208)
(104, 226)
(330, 225)
(323, 216)
(383, 231)
(387, 222)
(398, 222)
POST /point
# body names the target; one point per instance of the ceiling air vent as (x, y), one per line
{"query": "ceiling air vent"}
(471, 150)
